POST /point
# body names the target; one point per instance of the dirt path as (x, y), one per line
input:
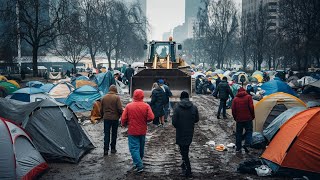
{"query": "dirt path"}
(162, 157)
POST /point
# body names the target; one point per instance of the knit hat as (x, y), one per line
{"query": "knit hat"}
(161, 81)
(184, 95)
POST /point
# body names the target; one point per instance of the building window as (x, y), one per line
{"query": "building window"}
(272, 17)
(272, 10)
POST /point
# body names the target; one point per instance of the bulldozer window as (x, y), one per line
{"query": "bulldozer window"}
(162, 50)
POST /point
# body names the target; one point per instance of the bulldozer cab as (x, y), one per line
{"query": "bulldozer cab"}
(163, 63)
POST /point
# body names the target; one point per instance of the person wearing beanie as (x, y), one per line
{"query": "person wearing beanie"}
(111, 110)
(243, 114)
(166, 102)
(223, 91)
(184, 118)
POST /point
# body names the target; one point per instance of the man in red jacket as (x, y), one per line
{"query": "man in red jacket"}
(243, 114)
(136, 115)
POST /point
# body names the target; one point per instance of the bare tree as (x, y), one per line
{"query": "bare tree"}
(221, 25)
(39, 22)
(245, 39)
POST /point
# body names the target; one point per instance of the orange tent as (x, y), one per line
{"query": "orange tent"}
(297, 143)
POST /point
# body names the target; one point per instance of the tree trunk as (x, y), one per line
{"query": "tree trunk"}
(74, 68)
(244, 61)
(306, 63)
(318, 61)
(269, 62)
(93, 59)
(35, 61)
(109, 60)
(116, 59)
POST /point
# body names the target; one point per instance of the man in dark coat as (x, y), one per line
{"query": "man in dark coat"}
(157, 104)
(224, 92)
(243, 114)
(129, 72)
(184, 117)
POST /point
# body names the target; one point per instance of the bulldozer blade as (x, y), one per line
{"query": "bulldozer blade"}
(176, 79)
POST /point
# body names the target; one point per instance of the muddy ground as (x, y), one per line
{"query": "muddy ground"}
(162, 157)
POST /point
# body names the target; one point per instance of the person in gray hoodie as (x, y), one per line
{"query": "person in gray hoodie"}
(184, 118)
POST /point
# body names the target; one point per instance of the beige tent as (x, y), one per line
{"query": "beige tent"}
(61, 90)
(271, 107)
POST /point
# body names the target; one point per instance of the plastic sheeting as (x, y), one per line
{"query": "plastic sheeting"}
(104, 81)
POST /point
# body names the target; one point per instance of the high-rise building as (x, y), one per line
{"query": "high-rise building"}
(252, 6)
(166, 35)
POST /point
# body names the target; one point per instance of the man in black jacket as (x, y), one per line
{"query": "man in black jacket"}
(184, 117)
(224, 92)
(129, 72)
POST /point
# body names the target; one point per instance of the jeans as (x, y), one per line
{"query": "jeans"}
(184, 151)
(110, 124)
(136, 147)
(223, 107)
(247, 136)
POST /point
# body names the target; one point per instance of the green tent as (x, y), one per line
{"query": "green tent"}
(8, 87)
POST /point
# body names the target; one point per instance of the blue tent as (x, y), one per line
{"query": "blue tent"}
(47, 87)
(275, 86)
(275, 125)
(30, 94)
(83, 98)
(36, 84)
(104, 81)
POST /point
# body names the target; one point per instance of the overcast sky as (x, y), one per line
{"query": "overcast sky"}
(164, 15)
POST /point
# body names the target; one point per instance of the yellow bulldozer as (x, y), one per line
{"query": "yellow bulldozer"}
(163, 62)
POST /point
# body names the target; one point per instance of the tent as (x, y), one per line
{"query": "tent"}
(55, 75)
(30, 94)
(8, 87)
(219, 71)
(14, 83)
(296, 145)
(36, 84)
(275, 125)
(83, 98)
(3, 78)
(257, 72)
(259, 77)
(196, 74)
(237, 76)
(270, 107)
(54, 128)
(46, 88)
(306, 81)
(19, 159)
(275, 85)
(104, 81)
(61, 91)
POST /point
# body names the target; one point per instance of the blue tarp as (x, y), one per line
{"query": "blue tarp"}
(275, 125)
(25, 94)
(47, 87)
(36, 84)
(104, 81)
(83, 98)
(275, 85)
(30, 90)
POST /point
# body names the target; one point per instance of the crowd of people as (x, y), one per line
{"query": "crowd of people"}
(137, 114)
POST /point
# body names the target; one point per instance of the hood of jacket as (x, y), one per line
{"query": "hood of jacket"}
(241, 92)
(138, 95)
(113, 89)
(185, 104)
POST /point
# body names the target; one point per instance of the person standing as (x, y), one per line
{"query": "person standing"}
(223, 91)
(168, 94)
(111, 110)
(136, 115)
(157, 104)
(243, 114)
(128, 73)
(184, 117)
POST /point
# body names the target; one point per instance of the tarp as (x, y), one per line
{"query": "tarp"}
(306, 81)
(83, 98)
(104, 81)
(36, 84)
(54, 128)
(315, 84)
(296, 145)
(19, 159)
(74, 79)
(270, 107)
(275, 125)
(274, 86)
(95, 112)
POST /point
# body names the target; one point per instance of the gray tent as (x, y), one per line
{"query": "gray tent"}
(275, 125)
(53, 127)
(19, 159)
